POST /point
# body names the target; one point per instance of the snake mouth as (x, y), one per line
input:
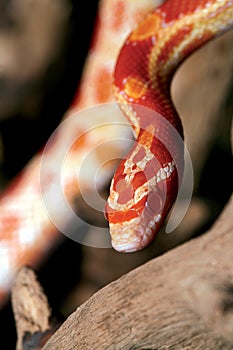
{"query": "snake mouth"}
(127, 247)
(131, 236)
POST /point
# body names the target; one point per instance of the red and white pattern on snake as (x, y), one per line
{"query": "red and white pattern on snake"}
(26, 232)
(143, 75)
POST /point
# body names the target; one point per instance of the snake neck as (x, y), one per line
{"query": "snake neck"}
(156, 48)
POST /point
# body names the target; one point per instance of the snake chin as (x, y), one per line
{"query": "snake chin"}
(128, 247)
(131, 237)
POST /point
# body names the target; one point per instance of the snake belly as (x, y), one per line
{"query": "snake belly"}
(146, 182)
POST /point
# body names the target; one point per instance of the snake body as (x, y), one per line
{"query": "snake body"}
(139, 202)
(146, 183)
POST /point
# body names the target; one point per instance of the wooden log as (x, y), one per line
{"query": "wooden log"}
(181, 300)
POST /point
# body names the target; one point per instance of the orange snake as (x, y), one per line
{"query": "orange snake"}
(165, 37)
(145, 184)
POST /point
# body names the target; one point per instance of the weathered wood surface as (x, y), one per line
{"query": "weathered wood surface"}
(181, 300)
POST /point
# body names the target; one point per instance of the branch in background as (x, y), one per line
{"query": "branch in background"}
(31, 311)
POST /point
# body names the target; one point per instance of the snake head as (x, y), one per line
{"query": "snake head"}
(141, 194)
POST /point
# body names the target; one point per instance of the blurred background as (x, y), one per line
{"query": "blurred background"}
(43, 45)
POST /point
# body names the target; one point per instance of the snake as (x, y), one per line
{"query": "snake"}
(145, 184)
(147, 180)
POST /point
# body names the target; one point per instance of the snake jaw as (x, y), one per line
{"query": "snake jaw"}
(133, 236)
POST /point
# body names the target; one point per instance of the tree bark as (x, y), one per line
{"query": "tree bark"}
(181, 300)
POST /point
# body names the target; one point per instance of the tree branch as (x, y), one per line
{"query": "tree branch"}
(183, 299)
(31, 310)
